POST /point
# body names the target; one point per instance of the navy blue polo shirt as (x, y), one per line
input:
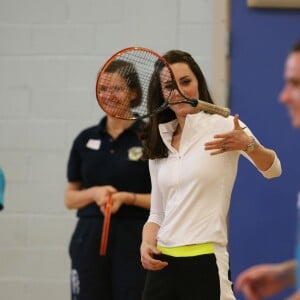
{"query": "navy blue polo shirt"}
(97, 159)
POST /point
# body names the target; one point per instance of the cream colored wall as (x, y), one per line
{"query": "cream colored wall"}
(50, 53)
(220, 51)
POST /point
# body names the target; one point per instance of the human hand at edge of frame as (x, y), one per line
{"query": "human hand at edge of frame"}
(261, 281)
(234, 140)
(147, 260)
(295, 296)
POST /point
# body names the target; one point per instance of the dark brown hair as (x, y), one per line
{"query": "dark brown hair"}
(128, 72)
(153, 144)
(295, 47)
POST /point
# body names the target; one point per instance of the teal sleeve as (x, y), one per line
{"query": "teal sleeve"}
(2, 187)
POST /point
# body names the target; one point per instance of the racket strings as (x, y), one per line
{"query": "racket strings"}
(137, 73)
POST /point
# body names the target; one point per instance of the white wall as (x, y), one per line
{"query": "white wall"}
(50, 53)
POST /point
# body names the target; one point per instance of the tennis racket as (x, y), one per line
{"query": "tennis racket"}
(105, 228)
(123, 87)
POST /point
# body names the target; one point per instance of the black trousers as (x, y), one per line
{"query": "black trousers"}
(185, 278)
(117, 276)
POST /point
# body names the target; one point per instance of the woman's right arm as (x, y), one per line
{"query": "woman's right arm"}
(151, 227)
(148, 248)
(76, 197)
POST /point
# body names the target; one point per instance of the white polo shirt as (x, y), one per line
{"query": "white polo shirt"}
(191, 189)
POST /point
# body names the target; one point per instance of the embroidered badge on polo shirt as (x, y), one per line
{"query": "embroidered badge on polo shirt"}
(135, 153)
(93, 144)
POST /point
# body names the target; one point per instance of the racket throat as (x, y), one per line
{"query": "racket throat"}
(192, 102)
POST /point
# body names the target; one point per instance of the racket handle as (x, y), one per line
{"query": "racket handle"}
(214, 109)
(105, 228)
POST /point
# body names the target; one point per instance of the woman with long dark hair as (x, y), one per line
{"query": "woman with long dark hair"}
(193, 158)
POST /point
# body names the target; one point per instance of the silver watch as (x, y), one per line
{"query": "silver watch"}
(250, 147)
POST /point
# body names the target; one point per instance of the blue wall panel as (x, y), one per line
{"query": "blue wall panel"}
(263, 212)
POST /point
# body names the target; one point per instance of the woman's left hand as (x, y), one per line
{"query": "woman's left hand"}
(234, 140)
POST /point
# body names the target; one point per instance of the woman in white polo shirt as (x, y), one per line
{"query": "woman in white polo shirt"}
(193, 164)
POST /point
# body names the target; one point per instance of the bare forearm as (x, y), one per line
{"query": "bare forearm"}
(262, 157)
(140, 200)
(75, 199)
(289, 272)
(150, 231)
